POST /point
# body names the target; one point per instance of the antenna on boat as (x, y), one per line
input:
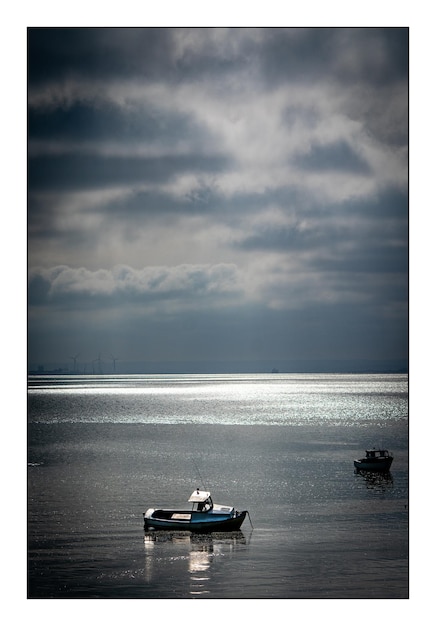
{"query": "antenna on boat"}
(199, 473)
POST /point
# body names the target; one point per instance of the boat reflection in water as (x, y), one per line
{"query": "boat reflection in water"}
(189, 554)
(380, 481)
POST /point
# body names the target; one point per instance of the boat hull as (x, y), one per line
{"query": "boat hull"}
(379, 465)
(202, 525)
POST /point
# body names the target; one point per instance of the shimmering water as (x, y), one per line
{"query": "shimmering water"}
(103, 449)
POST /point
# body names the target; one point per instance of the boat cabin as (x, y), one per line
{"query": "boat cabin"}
(376, 454)
(201, 501)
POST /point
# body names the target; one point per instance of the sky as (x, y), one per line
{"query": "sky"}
(217, 199)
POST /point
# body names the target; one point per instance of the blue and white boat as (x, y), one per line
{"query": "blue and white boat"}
(204, 516)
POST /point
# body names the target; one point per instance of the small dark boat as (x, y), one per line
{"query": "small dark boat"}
(204, 516)
(376, 460)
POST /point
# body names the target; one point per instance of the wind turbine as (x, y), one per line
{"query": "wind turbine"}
(114, 359)
(74, 360)
(99, 363)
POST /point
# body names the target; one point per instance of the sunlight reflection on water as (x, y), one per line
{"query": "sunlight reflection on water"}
(296, 399)
(320, 530)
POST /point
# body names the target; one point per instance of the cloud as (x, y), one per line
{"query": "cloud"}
(82, 171)
(64, 284)
(338, 156)
(188, 172)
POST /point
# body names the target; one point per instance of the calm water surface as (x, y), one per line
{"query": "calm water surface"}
(101, 450)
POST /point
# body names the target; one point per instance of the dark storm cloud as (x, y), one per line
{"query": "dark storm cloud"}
(390, 204)
(86, 123)
(203, 199)
(374, 55)
(349, 229)
(366, 257)
(145, 53)
(285, 239)
(200, 199)
(84, 171)
(363, 252)
(338, 156)
(59, 53)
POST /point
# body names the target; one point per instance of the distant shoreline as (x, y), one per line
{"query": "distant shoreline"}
(62, 372)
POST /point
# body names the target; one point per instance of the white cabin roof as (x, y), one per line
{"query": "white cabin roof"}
(199, 496)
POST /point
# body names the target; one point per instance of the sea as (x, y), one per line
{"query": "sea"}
(102, 449)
